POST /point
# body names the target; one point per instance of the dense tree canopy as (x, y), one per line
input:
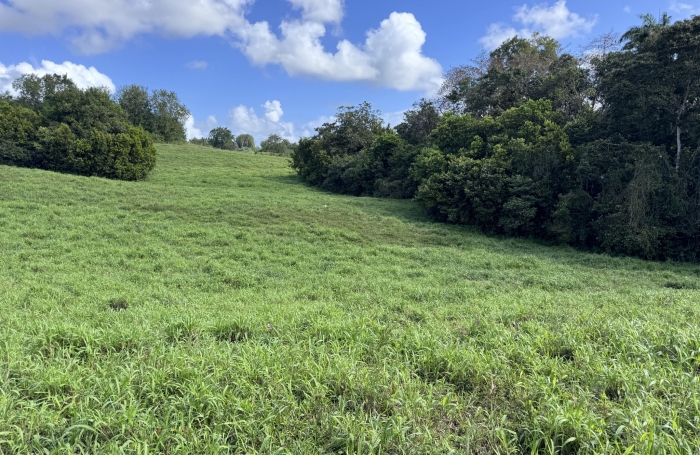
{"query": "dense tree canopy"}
(276, 145)
(159, 112)
(222, 138)
(54, 125)
(245, 141)
(599, 150)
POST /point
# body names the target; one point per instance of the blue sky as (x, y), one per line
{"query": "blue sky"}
(284, 66)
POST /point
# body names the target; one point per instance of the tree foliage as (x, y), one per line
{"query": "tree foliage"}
(245, 141)
(277, 145)
(54, 125)
(222, 138)
(159, 112)
(600, 150)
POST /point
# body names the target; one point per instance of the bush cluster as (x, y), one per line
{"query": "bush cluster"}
(222, 138)
(54, 125)
(600, 151)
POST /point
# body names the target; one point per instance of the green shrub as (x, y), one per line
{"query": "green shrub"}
(222, 138)
(18, 127)
(123, 156)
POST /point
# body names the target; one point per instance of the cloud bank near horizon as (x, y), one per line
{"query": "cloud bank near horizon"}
(82, 76)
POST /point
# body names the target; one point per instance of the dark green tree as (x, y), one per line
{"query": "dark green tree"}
(637, 35)
(652, 93)
(33, 90)
(276, 145)
(222, 138)
(518, 71)
(161, 112)
(169, 116)
(245, 141)
(353, 129)
(419, 122)
(135, 101)
(18, 128)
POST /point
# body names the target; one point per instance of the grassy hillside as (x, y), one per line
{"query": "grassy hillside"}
(224, 307)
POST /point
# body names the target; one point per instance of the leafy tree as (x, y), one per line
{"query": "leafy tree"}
(419, 122)
(169, 116)
(334, 157)
(311, 161)
(18, 127)
(276, 145)
(135, 101)
(72, 130)
(652, 94)
(124, 156)
(33, 90)
(503, 174)
(222, 138)
(161, 112)
(354, 128)
(518, 71)
(245, 141)
(636, 36)
(85, 110)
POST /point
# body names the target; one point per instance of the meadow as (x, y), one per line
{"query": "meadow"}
(222, 306)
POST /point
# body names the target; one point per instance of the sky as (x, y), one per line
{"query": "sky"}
(285, 66)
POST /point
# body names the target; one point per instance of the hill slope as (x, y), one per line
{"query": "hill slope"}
(224, 307)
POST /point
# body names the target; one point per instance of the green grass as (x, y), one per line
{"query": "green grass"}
(222, 306)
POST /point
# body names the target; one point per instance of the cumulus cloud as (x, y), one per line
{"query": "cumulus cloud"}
(82, 76)
(273, 111)
(391, 55)
(198, 65)
(684, 9)
(556, 21)
(320, 10)
(198, 128)
(102, 25)
(244, 120)
(191, 130)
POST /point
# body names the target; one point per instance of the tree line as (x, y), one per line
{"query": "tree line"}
(54, 125)
(599, 150)
(222, 138)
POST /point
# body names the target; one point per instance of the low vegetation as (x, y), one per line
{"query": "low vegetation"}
(221, 306)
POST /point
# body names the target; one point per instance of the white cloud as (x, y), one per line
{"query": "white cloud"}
(391, 55)
(320, 10)
(102, 25)
(685, 9)
(244, 120)
(191, 130)
(498, 34)
(198, 65)
(82, 76)
(198, 128)
(273, 111)
(556, 21)
(627, 9)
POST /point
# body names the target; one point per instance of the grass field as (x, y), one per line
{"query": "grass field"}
(222, 306)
